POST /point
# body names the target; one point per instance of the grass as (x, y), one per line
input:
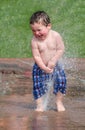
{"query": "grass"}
(67, 18)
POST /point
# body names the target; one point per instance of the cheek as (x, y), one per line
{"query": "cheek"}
(45, 31)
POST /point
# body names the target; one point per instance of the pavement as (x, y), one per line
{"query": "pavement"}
(17, 104)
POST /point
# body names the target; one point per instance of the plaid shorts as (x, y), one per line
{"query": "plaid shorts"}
(40, 78)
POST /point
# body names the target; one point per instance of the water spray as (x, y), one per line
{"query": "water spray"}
(46, 97)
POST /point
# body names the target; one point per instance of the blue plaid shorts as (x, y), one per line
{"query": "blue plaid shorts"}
(40, 77)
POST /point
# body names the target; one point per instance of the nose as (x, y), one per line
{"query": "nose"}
(37, 33)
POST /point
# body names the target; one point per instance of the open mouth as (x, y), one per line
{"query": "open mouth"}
(40, 37)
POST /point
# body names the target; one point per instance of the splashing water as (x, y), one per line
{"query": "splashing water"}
(46, 97)
(49, 84)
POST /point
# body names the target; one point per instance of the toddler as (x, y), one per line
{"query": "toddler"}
(47, 48)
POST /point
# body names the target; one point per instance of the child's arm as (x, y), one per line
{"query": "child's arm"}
(38, 59)
(59, 52)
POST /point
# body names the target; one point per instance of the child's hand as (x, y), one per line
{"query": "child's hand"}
(48, 70)
(51, 65)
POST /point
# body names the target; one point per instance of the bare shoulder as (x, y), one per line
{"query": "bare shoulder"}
(55, 34)
(34, 42)
(58, 39)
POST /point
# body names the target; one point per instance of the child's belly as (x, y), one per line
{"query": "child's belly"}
(47, 56)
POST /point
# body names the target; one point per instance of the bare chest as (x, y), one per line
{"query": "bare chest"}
(47, 46)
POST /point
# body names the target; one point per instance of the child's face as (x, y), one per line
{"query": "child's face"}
(40, 31)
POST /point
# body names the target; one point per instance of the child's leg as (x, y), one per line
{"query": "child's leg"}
(39, 103)
(59, 103)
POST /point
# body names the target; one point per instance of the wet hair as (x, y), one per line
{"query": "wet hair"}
(40, 17)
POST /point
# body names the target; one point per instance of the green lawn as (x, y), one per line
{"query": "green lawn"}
(67, 18)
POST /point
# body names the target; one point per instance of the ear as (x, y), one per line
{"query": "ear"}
(49, 26)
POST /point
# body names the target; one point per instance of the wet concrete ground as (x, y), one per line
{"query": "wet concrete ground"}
(17, 104)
